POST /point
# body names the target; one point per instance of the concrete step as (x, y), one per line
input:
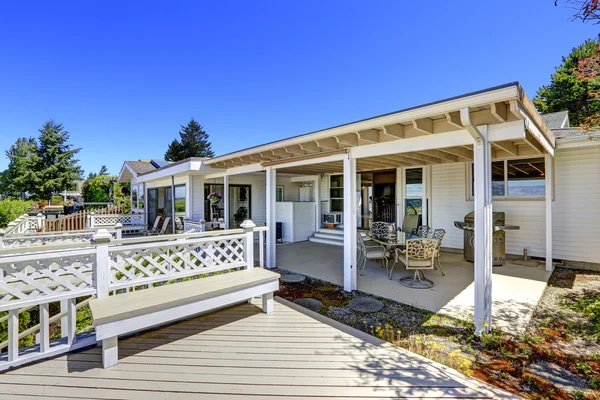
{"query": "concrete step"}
(326, 241)
(330, 236)
(338, 232)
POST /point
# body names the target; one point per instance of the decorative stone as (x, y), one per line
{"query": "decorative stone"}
(365, 305)
(560, 377)
(292, 278)
(311, 304)
(342, 315)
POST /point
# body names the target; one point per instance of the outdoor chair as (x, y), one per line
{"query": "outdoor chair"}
(410, 222)
(380, 229)
(164, 227)
(418, 256)
(422, 231)
(154, 229)
(370, 252)
(438, 234)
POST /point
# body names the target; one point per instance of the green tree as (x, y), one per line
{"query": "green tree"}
(97, 189)
(103, 171)
(568, 90)
(58, 168)
(193, 143)
(22, 165)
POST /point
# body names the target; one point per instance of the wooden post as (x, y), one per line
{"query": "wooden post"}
(226, 200)
(102, 240)
(549, 176)
(119, 231)
(271, 177)
(350, 275)
(483, 234)
(174, 224)
(13, 335)
(248, 227)
(44, 328)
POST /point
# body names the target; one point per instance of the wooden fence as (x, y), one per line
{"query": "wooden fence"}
(77, 221)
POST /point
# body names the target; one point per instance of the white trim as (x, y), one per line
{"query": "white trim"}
(478, 99)
(577, 142)
(549, 176)
(188, 166)
(310, 161)
(244, 169)
(506, 131)
(133, 173)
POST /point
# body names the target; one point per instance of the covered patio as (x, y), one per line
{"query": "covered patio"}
(516, 288)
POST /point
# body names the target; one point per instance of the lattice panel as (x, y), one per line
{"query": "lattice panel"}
(110, 220)
(138, 266)
(28, 241)
(26, 279)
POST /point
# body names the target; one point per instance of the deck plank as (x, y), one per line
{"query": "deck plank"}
(242, 353)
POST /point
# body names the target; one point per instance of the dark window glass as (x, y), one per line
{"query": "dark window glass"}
(526, 177)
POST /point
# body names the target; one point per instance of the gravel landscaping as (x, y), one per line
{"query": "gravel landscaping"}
(557, 358)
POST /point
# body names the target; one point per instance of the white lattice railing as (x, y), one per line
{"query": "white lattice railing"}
(53, 238)
(102, 220)
(47, 274)
(24, 224)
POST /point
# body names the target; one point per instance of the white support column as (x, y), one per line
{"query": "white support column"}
(399, 198)
(145, 190)
(189, 200)
(483, 233)
(317, 193)
(131, 186)
(350, 271)
(174, 224)
(549, 176)
(226, 200)
(271, 177)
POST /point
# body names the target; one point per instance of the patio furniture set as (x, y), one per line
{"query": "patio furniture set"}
(415, 249)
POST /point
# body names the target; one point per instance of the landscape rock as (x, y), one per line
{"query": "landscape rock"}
(292, 278)
(311, 304)
(365, 305)
(558, 376)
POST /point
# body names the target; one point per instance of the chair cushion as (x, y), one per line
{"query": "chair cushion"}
(420, 264)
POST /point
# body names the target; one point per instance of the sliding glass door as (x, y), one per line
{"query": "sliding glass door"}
(239, 204)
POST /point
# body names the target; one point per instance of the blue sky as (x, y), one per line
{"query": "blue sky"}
(123, 76)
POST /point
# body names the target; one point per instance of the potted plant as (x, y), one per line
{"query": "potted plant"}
(241, 215)
(214, 198)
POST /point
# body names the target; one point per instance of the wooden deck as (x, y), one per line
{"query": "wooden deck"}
(241, 353)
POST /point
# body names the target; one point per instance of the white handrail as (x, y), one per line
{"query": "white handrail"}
(40, 275)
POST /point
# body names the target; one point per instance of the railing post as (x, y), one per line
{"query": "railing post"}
(13, 335)
(248, 227)
(261, 248)
(2, 234)
(40, 222)
(90, 220)
(102, 240)
(119, 231)
(10, 227)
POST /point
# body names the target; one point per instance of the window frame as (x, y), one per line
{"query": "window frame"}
(506, 197)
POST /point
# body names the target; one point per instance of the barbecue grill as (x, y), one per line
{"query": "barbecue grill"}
(498, 236)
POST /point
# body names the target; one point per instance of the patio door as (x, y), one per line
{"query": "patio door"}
(415, 193)
(239, 204)
(152, 205)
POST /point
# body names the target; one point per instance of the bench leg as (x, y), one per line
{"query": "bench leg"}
(267, 302)
(110, 352)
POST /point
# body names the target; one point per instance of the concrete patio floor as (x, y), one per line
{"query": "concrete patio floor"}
(516, 289)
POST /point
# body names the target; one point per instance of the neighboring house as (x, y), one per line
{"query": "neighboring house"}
(419, 160)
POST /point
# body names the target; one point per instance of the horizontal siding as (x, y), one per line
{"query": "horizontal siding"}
(285, 215)
(197, 198)
(530, 216)
(448, 201)
(304, 220)
(576, 222)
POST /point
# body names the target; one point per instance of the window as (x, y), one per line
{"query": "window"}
(522, 177)
(140, 197)
(413, 198)
(279, 193)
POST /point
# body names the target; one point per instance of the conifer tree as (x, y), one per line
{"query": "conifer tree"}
(193, 143)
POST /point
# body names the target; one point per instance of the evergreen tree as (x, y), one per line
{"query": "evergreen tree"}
(193, 143)
(58, 169)
(568, 90)
(103, 170)
(21, 173)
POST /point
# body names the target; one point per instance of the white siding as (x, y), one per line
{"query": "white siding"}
(197, 198)
(304, 220)
(448, 201)
(576, 211)
(324, 193)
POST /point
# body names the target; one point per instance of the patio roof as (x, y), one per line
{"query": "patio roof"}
(498, 105)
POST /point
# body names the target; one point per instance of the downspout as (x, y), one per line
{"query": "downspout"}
(465, 119)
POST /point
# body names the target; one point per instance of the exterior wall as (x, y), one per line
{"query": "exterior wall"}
(576, 210)
(297, 218)
(576, 216)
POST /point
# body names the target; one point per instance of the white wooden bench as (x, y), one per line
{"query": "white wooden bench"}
(134, 311)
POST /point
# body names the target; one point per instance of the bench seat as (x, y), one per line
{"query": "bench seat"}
(134, 311)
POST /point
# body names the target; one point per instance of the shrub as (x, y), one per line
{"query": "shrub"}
(11, 209)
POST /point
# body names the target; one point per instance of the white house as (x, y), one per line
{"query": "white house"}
(442, 160)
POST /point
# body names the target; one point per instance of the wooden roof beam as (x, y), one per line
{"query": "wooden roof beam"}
(507, 146)
(330, 143)
(369, 136)
(311, 147)
(453, 119)
(395, 131)
(461, 152)
(409, 160)
(500, 111)
(423, 125)
(533, 143)
(351, 139)
(440, 154)
(422, 158)
(295, 150)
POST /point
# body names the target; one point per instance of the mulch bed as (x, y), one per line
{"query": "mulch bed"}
(564, 335)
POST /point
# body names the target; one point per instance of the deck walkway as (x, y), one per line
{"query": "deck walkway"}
(241, 353)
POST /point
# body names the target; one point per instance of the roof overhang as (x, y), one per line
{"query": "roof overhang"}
(503, 107)
(127, 174)
(190, 166)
